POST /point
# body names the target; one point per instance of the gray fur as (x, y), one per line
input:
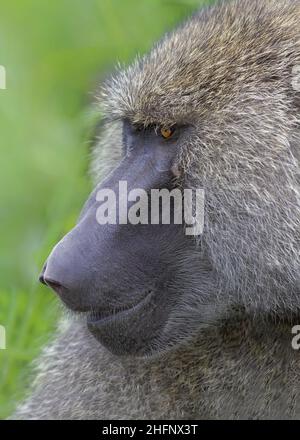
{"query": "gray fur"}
(228, 71)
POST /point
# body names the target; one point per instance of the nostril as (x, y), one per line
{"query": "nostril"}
(41, 279)
(41, 276)
(55, 285)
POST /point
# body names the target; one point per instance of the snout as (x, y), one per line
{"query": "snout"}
(110, 265)
(102, 267)
(64, 274)
(51, 280)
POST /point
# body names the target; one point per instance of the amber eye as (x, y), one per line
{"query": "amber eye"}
(167, 132)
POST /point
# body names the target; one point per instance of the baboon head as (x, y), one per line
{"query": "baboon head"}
(213, 107)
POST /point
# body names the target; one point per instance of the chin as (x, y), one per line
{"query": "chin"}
(129, 332)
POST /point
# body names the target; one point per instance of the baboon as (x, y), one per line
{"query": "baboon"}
(165, 325)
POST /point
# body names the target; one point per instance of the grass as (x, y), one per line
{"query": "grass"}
(54, 54)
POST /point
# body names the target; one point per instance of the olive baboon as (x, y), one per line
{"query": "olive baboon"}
(171, 326)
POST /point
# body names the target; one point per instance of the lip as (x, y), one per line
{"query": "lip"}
(101, 318)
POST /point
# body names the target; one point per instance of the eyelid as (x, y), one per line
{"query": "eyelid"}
(155, 128)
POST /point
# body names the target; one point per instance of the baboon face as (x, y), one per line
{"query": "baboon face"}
(211, 107)
(129, 279)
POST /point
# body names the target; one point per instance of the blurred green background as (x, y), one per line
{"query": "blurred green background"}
(55, 53)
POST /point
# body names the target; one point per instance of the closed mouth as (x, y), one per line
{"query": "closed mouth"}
(103, 317)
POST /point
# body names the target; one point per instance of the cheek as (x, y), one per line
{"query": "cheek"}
(164, 157)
